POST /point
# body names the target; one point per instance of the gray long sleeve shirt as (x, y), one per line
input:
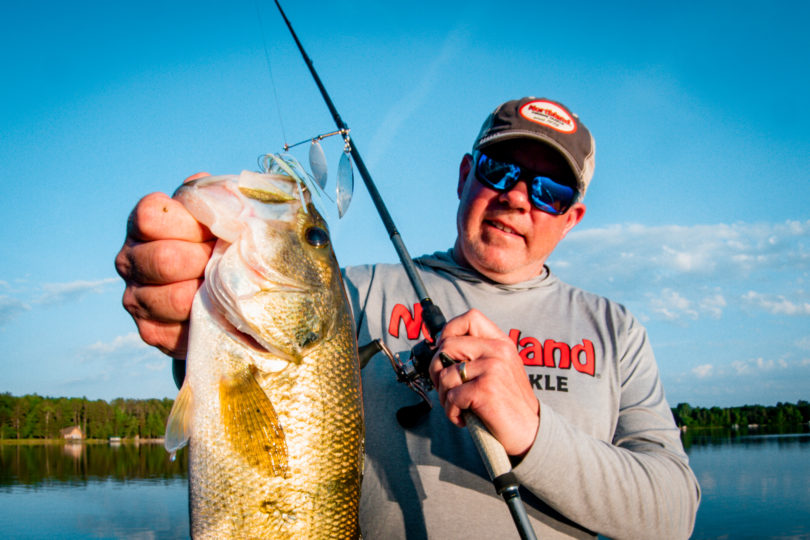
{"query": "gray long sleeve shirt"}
(607, 458)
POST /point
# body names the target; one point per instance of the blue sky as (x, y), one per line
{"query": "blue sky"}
(697, 215)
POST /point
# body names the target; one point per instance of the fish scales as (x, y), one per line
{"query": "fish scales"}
(272, 402)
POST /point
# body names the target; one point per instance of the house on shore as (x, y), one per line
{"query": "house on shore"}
(72, 433)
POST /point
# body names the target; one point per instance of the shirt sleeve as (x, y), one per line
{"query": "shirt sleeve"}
(356, 281)
(639, 485)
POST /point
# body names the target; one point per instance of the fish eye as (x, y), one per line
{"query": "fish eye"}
(317, 237)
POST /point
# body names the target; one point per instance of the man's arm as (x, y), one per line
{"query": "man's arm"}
(640, 486)
(162, 262)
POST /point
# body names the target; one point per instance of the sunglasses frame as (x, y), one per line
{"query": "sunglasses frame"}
(534, 181)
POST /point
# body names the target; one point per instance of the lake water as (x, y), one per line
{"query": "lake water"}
(753, 487)
(92, 491)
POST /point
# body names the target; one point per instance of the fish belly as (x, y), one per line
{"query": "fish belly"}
(318, 407)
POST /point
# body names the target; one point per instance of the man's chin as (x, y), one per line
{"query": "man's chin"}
(500, 269)
(496, 263)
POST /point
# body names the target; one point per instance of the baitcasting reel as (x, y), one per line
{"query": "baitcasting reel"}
(413, 373)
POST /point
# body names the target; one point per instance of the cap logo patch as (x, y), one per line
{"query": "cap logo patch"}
(550, 115)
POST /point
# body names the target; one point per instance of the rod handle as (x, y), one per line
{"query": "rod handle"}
(492, 453)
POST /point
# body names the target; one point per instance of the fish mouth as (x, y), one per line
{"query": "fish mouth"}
(252, 343)
(242, 338)
(246, 339)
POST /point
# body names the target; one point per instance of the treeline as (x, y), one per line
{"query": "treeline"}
(781, 414)
(36, 417)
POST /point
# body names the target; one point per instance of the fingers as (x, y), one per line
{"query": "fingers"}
(161, 303)
(473, 349)
(163, 261)
(456, 389)
(161, 313)
(164, 243)
(472, 323)
(474, 390)
(496, 390)
(170, 338)
(498, 395)
(195, 177)
(159, 217)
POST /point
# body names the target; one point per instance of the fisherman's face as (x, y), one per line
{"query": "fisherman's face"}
(501, 235)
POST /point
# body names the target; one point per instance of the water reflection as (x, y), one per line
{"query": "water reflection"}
(726, 437)
(754, 484)
(73, 449)
(79, 463)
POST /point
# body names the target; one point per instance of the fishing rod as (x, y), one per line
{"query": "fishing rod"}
(431, 314)
(414, 374)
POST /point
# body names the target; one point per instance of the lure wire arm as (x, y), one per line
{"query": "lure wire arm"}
(318, 138)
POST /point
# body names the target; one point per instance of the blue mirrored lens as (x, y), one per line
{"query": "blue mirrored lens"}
(546, 194)
(497, 174)
(549, 195)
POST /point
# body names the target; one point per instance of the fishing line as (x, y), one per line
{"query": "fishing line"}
(270, 71)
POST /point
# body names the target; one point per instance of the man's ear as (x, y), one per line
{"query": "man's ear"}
(464, 169)
(573, 216)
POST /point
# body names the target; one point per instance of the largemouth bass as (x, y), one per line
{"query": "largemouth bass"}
(271, 402)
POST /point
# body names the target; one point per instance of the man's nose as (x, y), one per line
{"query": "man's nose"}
(517, 197)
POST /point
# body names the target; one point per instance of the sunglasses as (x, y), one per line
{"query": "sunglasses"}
(546, 194)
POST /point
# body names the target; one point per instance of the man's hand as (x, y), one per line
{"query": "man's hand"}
(497, 388)
(162, 262)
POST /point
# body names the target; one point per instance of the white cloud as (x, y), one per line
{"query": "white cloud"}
(777, 304)
(131, 341)
(23, 297)
(112, 365)
(713, 305)
(686, 261)
(668, 250)
(758, 365)
(703, 371)
(743, 368)
(755, 380)
(10, 308)
(57, 293)
(671, 305)
(679, 273)
(126, 351)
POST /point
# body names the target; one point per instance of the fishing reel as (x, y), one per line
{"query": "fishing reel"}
(413, 373)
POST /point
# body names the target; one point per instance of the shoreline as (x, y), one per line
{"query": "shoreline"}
(122, 440)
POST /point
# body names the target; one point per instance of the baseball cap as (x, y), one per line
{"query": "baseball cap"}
(546, 121)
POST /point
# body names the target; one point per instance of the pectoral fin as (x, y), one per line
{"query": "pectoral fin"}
(178, 426)
(251, 424)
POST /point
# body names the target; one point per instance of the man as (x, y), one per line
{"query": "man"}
(564, 379)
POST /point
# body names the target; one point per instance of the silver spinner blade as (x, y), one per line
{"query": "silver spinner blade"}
(317, 163)
(345, 183)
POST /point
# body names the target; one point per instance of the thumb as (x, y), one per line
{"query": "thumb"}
(196, 176)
